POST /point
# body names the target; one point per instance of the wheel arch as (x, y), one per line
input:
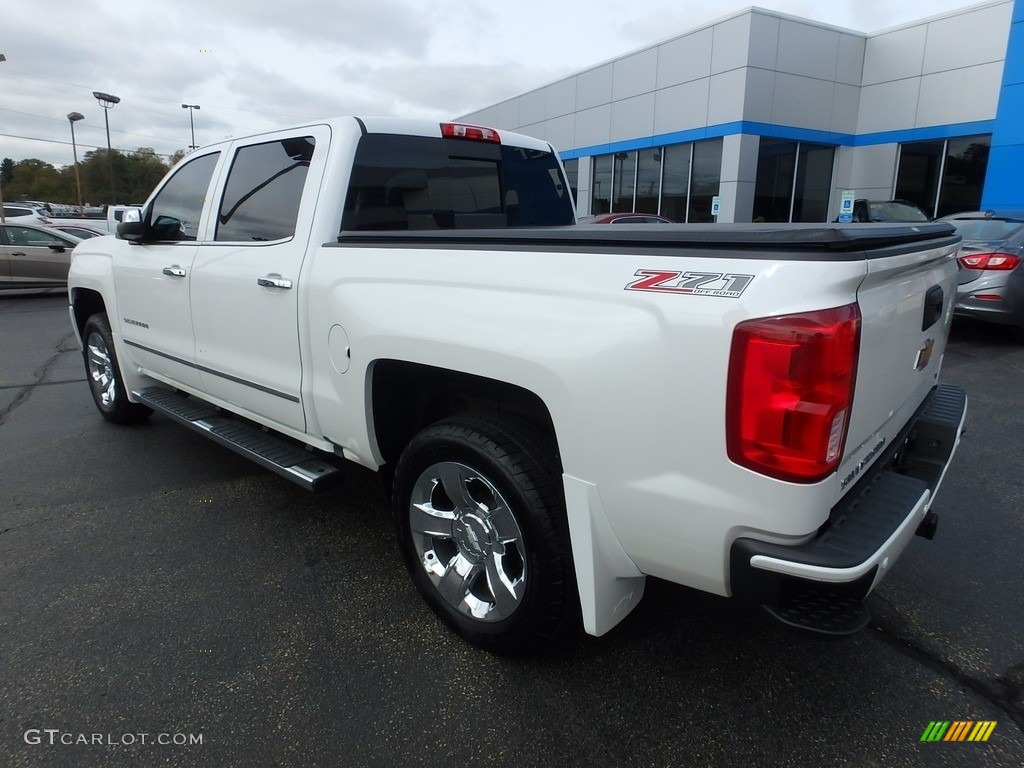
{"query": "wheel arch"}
(405, 397)
(85, 302)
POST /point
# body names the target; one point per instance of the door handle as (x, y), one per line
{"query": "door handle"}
(174, 271)
(272, 281)
(18, 253)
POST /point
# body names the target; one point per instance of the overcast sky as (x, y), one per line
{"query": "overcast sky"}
(256, 64)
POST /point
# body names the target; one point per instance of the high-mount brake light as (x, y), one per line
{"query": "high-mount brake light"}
(790, 392)
(471, 132)
(1002, 262)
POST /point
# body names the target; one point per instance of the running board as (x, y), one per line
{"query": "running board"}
(291, 462)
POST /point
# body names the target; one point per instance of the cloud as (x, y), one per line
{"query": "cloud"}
(381, 26)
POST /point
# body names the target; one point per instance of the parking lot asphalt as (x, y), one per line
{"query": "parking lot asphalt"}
(165, 602)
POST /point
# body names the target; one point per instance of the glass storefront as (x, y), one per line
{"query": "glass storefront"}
(676, 181)
(794, 180)
(572, 174)
(943, 177)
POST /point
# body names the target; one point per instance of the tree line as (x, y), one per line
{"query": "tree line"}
(135, 175)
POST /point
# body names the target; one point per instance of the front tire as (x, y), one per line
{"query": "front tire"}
(104, 374)
(480, 514)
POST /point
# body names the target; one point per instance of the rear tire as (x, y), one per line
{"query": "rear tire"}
(103, 373)
(480, 514)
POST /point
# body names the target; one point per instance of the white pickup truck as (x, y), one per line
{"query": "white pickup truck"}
(107, 222)
(559, 411)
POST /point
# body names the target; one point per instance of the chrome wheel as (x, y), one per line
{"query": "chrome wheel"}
(104, 374)
(468, 541)
(101, 370)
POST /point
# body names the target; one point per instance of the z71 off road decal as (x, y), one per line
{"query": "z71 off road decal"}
(693, 283)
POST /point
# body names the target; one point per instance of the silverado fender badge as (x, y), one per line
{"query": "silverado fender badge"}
(924, 354)
(692, 283)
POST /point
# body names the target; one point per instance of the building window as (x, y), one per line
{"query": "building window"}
(705, 179)
(675, 187)
(943, 177)
(572, 175)
(794, 179)
(601, 198)
(648, 180)
(623, 181)
(676, 181)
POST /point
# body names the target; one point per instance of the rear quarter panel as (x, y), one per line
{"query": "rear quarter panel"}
(635, 381)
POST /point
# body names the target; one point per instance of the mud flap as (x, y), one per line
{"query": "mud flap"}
(610, 584)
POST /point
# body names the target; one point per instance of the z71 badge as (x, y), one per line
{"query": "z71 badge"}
(692, 283)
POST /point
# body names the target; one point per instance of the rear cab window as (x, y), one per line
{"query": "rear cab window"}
(422, 183)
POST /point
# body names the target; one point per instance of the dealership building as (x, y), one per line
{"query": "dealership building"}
(766, 117)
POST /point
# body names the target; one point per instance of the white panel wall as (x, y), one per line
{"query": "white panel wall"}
(593, 126)
(725, 101)
(872, 168)
(808, 50)
(594, 87)
(632, 118)
(682, 107)
(731, 40)
(850, 64)
(803, 101)
(764, 67)
(763, 44)
(894, 55)
(635, 74)
(977, 95)
(845, 108)
(978, 37)
(532, 107)
(560, 98)
(560, 131)
(889, 106)
(685, 59)
(759, 95)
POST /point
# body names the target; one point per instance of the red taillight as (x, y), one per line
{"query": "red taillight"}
(997, 261)
(790, 391)
(472, 132)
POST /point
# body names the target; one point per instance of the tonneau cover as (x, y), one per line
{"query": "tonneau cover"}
(800, 241)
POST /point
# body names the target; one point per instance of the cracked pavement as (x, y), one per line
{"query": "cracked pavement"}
(152, 582)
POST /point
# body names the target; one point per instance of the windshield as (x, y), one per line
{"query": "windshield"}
(893, 211)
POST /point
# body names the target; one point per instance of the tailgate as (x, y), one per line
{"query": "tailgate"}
(906, 302)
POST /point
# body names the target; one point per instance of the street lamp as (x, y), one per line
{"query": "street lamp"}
(107, 101)
(3, 219)
(74, 117)
(192, 125)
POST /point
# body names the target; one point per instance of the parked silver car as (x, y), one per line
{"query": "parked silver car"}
(991, 276)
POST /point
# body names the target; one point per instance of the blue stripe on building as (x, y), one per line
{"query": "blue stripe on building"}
(1004, 181)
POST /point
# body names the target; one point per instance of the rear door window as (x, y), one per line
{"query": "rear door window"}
(263, 191)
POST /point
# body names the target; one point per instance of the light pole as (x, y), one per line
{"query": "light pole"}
(3, 219)
(192, 125)
(74, 117)
(107, 101)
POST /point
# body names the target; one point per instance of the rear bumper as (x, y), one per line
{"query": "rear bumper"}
(992, 299)
(871, 526)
